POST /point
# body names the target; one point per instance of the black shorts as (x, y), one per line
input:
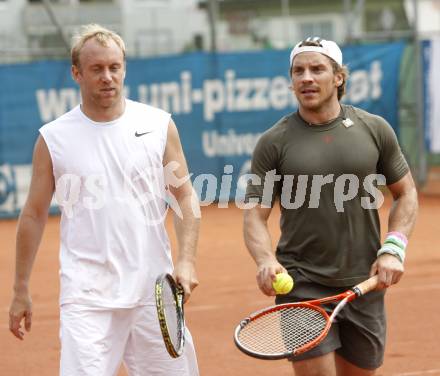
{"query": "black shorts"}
(359, 331)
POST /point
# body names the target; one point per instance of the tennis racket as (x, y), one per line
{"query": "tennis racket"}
(290, 329)
(169, 304)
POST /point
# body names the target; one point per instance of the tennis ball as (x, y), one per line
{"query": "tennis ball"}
(283, 283)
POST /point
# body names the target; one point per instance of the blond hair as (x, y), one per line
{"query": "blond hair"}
(100, 33)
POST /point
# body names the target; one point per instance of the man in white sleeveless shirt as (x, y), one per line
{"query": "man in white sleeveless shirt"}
(115, 166)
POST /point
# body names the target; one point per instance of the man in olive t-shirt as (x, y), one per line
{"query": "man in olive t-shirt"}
(324, 164)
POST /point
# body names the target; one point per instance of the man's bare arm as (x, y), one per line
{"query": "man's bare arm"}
(187, 214)
(29, 232)
(403, 213)
(402, 219)
(259, 244)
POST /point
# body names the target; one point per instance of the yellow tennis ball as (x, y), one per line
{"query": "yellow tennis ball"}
(283, 283)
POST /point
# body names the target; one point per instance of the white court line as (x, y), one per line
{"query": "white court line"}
(417, 373)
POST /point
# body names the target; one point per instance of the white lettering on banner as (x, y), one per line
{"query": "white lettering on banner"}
(230, 144)
(376, 78)
(230, 94)
(170, 97)
(246, 94)
(14, 186)
(54, 103)
(364, 85)
(214, 98)
(8, 192)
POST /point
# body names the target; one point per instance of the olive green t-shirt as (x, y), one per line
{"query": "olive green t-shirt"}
(326, 178)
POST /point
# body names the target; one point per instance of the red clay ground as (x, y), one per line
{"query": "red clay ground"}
(227, 293)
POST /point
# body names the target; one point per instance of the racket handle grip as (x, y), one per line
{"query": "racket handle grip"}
(366, 286)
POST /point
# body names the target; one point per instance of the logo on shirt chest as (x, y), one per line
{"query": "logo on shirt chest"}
(328, 139)
(137, 134)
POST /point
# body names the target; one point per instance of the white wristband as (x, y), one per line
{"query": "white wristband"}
(395, 252)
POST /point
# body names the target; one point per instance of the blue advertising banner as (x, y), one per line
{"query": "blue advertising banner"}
(426, 46)
(431, 77)
(221, 104)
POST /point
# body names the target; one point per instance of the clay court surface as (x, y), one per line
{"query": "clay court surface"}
(227, 292)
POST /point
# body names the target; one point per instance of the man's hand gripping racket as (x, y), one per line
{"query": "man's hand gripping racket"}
(286, 330)
(169, 304)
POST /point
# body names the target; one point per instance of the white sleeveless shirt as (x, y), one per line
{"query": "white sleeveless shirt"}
(110, 187)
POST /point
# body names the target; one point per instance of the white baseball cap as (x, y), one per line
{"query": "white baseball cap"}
(326, 47)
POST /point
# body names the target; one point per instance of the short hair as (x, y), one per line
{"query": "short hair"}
(337, 69)
(100, 33)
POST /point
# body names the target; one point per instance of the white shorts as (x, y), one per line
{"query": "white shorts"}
(95, 341)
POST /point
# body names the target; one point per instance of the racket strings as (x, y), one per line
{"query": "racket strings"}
(282, 331)
(173, 319)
